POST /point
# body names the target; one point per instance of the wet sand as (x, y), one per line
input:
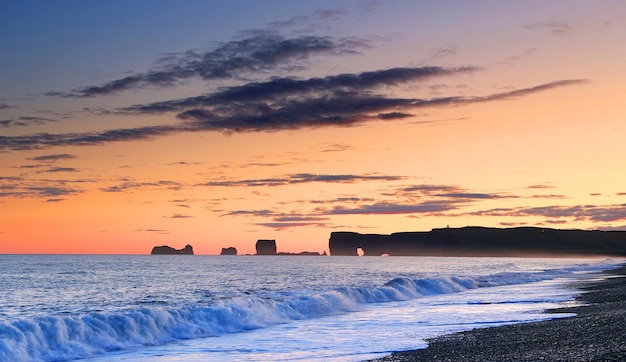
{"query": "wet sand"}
(596, 333)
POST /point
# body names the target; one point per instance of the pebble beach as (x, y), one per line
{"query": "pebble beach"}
(596, 333)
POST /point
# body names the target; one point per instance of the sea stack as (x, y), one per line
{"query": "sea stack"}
(229, 251)
(168, 250)
(266, 247)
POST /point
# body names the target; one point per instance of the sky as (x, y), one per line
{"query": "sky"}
(126, 125)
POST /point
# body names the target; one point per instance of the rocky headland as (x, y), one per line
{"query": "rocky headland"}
(483, 241)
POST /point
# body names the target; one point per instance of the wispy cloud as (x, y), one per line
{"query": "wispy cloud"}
(126, 185)
(556, 27)
(178, 216)
(390, 208)
(53, 158)
(279, 88)
(48, 140)
(593, 213)
(301, 178)
(259, 51)
(25, 121)
(59, 169)
(155, 231)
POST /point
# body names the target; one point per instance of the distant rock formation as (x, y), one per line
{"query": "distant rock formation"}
(305, 253)
(167, 250)
(266, 247)
(229, 251)
(482, 241)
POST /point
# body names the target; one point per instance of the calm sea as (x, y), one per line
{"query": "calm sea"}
(264, 308)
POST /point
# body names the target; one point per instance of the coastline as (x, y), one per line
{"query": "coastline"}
(596, 333)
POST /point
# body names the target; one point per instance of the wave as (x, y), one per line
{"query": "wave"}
(72, 336)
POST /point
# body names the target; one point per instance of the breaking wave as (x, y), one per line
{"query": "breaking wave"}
(63, 337)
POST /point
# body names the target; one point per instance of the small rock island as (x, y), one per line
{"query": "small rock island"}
(231, 250)
(168, 250)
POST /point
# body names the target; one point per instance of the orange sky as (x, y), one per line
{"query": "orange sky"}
(199, 124)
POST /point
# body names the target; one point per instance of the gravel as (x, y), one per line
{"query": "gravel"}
(596, 333)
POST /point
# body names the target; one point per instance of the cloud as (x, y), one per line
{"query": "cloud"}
(301, 178)
(20, 187)
(468, 195)
(540, 186)
(156, 231)
(282, 220)
(593, 213)
(53, 158)
(279, 88)
(340, 108)
(257, 52)
(25, 121)
(5, 106)
(556, 27)
(311, 110)
(390, 208)
(179, 216)
(48, 140)
(133, 185)
(285, 225)
(59, 169)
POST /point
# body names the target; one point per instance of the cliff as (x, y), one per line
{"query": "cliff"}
(167, 250)
(481, 241)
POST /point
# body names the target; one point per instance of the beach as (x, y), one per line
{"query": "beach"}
(596, 333)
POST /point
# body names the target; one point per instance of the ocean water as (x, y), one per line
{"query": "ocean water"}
(264, 308)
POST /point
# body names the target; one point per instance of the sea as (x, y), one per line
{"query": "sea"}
(266, 308)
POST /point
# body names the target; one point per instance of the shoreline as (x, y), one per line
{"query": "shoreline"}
(596, 332)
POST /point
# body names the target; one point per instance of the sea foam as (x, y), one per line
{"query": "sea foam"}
(60, 336)
(63, 337)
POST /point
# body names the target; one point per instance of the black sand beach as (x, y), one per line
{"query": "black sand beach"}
(596, 333)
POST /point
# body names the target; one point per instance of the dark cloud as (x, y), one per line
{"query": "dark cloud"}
(593, 213)
(550, 196)
(179, 216)
(53, 158)
(47, 191)
(302, 178)
(257, 52)
(341, 108)
(5, 106)
(133, 185)
(281, 220)
(448, 192)
(25, 121)
(59, 169)
(47, 140)
(279, 88)
(286, 225)
(390, 208)
(20, 187)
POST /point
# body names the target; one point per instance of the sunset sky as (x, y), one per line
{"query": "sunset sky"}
(130, 124)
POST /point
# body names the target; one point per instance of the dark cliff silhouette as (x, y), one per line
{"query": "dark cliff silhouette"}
(167, 250)
(266, 247)
(482, 241)
(229, 251)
